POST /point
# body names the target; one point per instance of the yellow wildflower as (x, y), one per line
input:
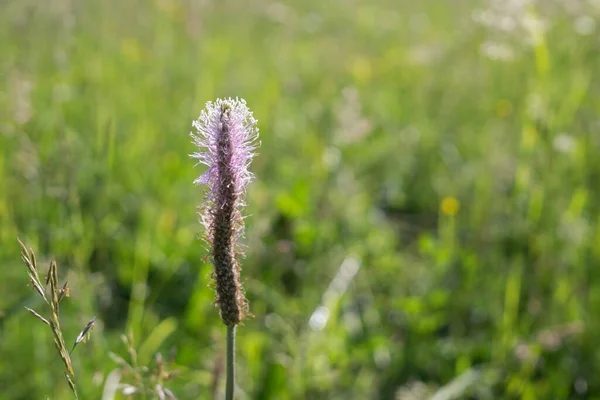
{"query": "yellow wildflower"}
(449, 206)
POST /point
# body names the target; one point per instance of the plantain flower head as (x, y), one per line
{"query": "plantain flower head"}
(226, 136)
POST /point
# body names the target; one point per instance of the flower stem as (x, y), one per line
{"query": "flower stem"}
(230, 385)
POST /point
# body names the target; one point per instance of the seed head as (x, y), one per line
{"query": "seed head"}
(226, 135)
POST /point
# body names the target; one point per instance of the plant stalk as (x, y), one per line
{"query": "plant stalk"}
(230, 384)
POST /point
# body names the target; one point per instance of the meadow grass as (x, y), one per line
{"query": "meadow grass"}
(425, 215)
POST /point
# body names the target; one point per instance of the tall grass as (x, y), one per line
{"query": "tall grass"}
(452, 160)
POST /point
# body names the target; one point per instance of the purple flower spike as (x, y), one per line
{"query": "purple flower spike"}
(226, 135)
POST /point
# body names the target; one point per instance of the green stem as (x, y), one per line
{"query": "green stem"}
(230, 386)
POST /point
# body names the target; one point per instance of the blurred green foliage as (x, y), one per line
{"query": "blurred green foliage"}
(446, 149)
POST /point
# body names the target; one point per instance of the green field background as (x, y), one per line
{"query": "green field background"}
(424, 222)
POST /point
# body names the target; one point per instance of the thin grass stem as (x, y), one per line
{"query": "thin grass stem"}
(230, 385)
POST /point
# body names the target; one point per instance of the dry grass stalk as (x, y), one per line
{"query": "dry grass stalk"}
(52, 296)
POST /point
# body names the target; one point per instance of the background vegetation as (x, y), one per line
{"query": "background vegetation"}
(425, 217)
